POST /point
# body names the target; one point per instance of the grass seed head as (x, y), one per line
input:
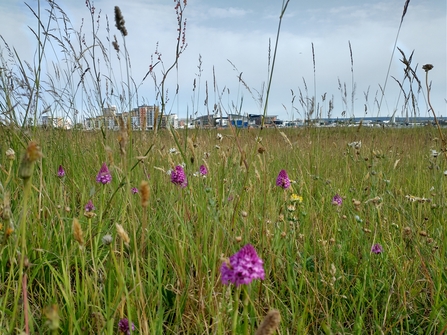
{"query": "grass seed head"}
(427, 67)
(270, 323)
(144, 193)
(31, 155)
(53, 318)
(77, 232)
(122, 234)
(119, 21)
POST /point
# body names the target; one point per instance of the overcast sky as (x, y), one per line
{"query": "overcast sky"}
(224, 31)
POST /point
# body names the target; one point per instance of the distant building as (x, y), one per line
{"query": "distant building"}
(141, 118)
(236, 120)
(147, 116)
(109, 111)
(256, 119)
(56, 122)
(205, 121)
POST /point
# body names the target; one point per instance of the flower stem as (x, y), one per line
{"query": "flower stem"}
(237, 293)
(245, 310)
(22, 239)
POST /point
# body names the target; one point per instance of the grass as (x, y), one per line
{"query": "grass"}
(154, 257)
(320, 272)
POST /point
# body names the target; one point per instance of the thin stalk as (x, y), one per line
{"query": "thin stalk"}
(283, 10)
(428, 67)
(22, 238)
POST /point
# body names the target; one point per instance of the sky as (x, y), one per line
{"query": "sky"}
(231, 39)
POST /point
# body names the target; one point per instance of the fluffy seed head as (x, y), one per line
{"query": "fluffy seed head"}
(270, 323)
(77, 232)
(144, 193)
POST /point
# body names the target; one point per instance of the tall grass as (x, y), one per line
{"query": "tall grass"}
(320, 272)
(150, 252)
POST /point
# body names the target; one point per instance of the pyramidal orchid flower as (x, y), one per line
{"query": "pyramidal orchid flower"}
(178, 177)
(243, 267)
(124, 327)
(376, 249)
(203, 170)
(104, 176)
(337, 200)
(89, 206)
(61, 171)
(283, 180)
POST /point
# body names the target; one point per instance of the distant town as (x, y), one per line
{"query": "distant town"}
(149, 117)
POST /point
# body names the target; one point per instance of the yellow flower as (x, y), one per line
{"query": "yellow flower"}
(296, 198)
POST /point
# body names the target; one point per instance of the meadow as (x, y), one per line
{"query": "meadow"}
(154, 256)
(208, 231)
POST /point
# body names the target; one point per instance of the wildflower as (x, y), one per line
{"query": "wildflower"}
(107, 239)
(10, 154)
(203, 170)
(89, 206)
(178, 176)
(173, 151)
(376, 248)
(337, 200)
(243, 267)
(219, 136)
(355, 145)
(434, 153)
(283, 180)
(123, 326)
(134, 190)
(291, 208)
(61, 171)
(104, 176)
(296, 198)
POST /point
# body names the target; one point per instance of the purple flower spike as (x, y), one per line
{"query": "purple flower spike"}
(337, 200)
(283, 180)
(123, 326)
(89, 206)
(134, 190)
(104, 176)
(178, 177)
(243, 267)
(61, 171)
(203, 170)
(376, 248)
